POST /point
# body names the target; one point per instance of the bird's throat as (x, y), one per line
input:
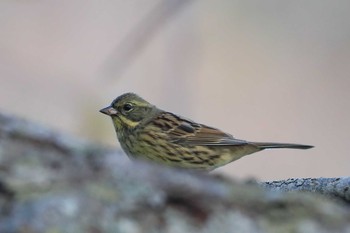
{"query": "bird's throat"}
(123, 122)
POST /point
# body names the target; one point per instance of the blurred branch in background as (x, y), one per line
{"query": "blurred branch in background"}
(258, 69)
(138, 37)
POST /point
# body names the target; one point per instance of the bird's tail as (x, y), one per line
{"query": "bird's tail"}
(272, 145)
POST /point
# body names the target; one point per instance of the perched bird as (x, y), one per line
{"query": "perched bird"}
(147, 132)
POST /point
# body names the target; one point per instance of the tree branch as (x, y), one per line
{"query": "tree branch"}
(331, 187)
(49, 180)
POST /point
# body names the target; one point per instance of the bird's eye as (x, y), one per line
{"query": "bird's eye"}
(127, 107)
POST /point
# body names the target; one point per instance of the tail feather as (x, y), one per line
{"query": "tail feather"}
(272, 145)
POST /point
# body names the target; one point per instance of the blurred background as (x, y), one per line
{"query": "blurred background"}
(260, 70)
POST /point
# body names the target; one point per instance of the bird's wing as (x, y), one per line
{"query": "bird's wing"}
(187, 132)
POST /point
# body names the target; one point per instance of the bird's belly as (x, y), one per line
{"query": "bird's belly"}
(192, 157)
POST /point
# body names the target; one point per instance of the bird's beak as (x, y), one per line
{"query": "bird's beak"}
(110, 111)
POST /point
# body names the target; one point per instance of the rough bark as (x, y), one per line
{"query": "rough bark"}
(338, 188)
(50, 182)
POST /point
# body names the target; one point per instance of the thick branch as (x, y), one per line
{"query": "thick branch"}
(332, 187)
(52, 181)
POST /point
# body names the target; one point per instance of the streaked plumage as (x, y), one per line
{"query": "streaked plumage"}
(146, 132)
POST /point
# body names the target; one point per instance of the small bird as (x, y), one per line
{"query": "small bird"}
(147, 132)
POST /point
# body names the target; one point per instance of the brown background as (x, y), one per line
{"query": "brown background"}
(261, 70)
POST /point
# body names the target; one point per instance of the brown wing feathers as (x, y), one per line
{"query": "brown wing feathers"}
(185, 131)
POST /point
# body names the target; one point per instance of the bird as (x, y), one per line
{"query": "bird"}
(148, 133)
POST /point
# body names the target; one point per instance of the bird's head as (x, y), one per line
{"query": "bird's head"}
(129, 110)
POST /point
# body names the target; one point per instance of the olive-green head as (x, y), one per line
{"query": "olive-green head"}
(129, 110)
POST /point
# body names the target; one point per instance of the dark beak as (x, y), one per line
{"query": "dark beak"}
(110, 111)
